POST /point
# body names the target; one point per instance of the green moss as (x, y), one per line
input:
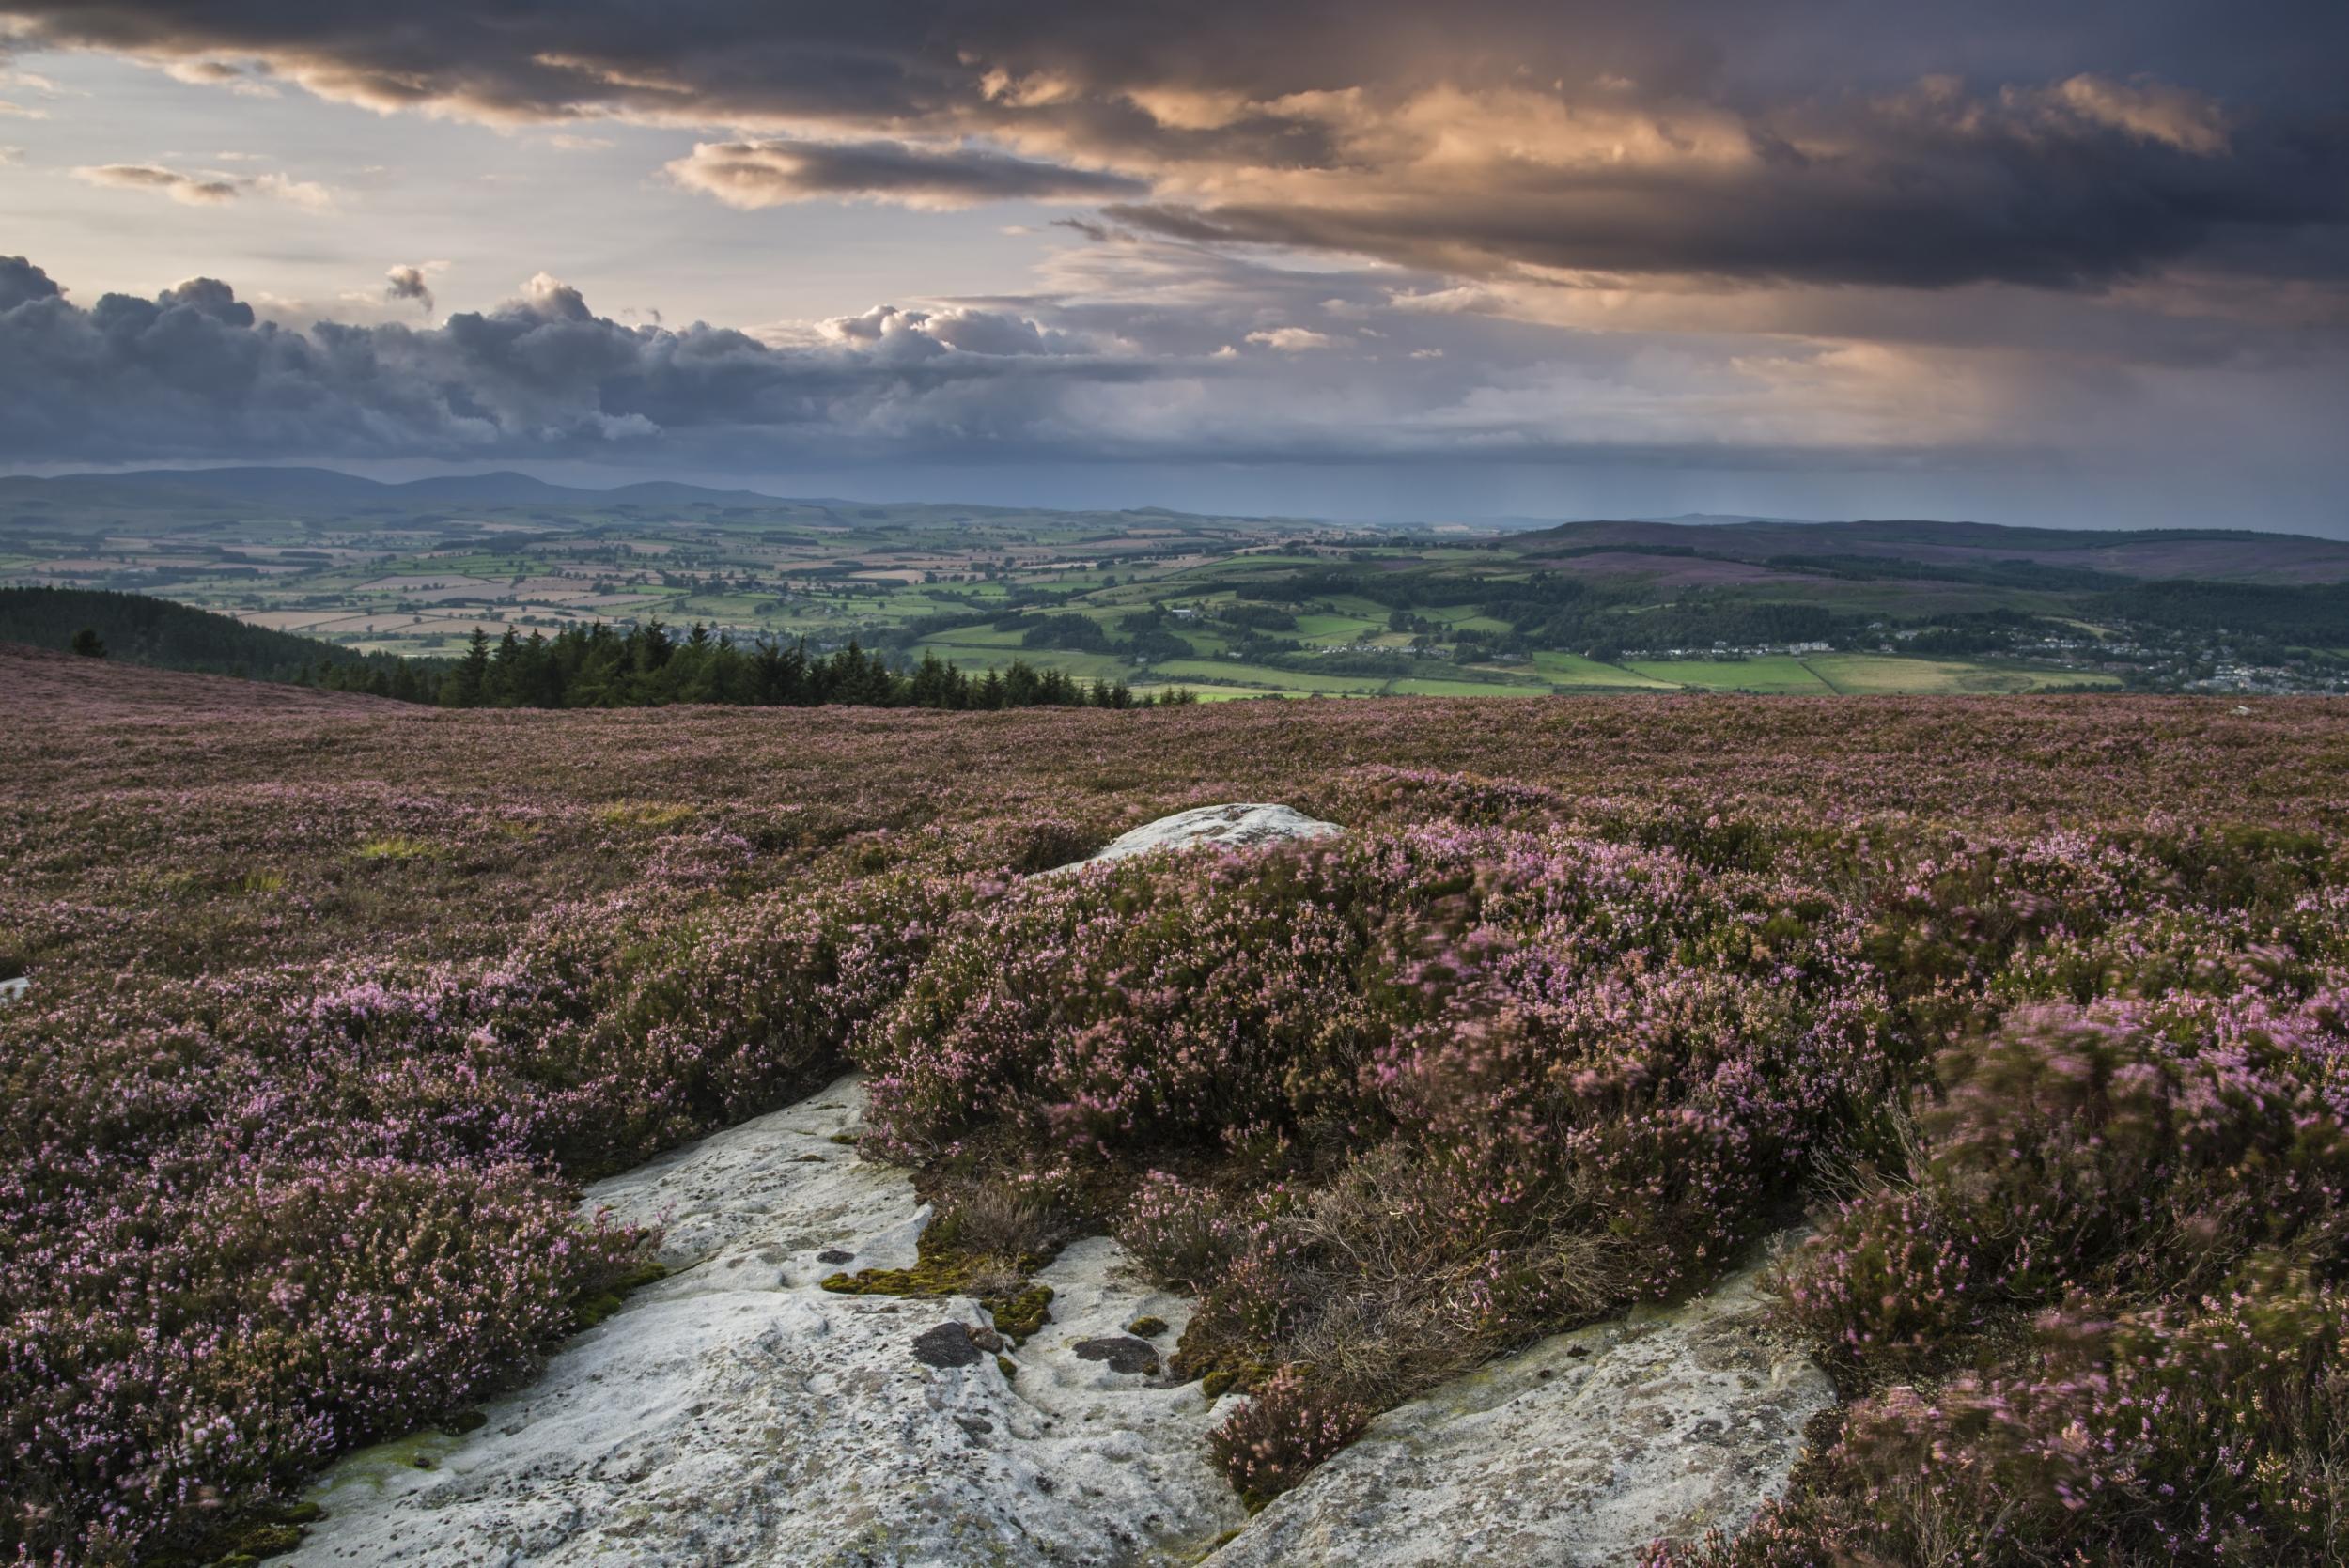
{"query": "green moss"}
(268, 1540)
(1147, 1327)
(939, 1270)
(1009, 1368)
(1220, 1381)
(464, 1421)
(1018, 1317)
(588, 1310)
(270, 1532)
(923, 1278)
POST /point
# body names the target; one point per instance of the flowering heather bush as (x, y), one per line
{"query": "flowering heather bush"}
(2127, 1147)
(333, 1007)
(1283, 1430)
(1573, 1072)
(248, 1222)
(2211, 1430)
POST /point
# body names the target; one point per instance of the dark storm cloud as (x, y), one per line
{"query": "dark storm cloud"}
(407, 283)
(771, 172)
(192, 373)
(20, 283)
(1906, 193)
(1889, 141)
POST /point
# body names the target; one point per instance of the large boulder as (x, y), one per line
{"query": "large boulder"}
(1240, 825)
(735, 1412)
(1574, 1453)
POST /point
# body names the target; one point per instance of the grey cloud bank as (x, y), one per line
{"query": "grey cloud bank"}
(193, 373)
(2102, 248)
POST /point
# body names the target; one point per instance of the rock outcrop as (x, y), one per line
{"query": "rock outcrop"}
(1233, 827)
(1577, 1452)
(735, 1412)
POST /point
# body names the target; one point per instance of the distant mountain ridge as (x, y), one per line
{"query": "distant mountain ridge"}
(326, 486)
(2215, 554)
(189, 489)
(2212, 554)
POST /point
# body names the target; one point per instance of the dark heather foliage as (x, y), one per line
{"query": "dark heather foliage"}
(2034, 1006)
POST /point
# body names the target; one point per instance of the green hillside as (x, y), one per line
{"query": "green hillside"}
(138, 628)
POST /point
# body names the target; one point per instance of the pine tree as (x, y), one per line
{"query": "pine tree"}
(466, 685)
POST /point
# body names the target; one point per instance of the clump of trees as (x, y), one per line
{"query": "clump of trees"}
(581, 666)
(596, 666)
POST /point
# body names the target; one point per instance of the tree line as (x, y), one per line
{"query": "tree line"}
(590, 666)
(140, 628)
(650, 666)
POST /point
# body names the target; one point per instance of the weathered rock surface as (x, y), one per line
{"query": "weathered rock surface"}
(736, 1414)
(1234, 827)
(1579, 1450)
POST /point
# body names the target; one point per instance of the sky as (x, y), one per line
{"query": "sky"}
(2082, 264)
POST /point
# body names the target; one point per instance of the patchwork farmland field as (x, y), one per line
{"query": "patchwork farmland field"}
(1229, 607)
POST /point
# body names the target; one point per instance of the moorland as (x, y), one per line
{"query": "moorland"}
(2029, 1008)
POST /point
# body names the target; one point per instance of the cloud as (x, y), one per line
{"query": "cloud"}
(407, 283)
(22, 282)
(192, 373)
(1100, 234)
(922, 335)
(20, 111)
(770, 173)
(193, 190)
(2151, 110)
(1809, 141)
(1131, 354)
(208, 188)
(1292, 340)
(301, 192)
(1926, 187)
(238, 78)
